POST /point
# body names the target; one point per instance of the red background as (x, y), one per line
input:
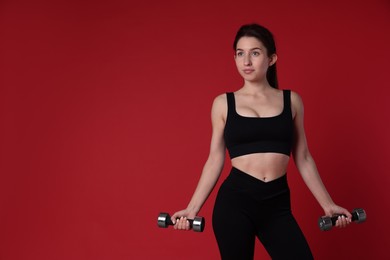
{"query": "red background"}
(105, 120)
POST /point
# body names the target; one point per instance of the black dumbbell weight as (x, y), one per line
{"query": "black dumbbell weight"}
(326, 223)
(197, 224)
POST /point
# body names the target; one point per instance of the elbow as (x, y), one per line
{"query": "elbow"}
(216, 161)
(302, 158)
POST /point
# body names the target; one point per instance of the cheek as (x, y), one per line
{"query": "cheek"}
(263, 63)
(237, 62)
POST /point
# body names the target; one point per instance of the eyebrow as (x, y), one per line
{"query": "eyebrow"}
(255, 48)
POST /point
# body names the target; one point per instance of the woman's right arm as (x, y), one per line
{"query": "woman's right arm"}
(212, 168)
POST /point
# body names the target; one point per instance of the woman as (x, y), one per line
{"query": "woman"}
(260, 126)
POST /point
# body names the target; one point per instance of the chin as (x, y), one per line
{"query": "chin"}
(250, 78)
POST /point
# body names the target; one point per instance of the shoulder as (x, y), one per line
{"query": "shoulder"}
(220, 105)
(295, 98)
(296, 103)
(220, 100)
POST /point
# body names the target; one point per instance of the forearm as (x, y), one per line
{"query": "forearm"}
(209, 177)
(311, 177)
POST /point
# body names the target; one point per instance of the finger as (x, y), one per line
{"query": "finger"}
(179, 223)
(347, 221)
(176, 223)
(182, 223)
(343, 221)
(188, 225)
(173, 219)
(349, 216)
(339, 222)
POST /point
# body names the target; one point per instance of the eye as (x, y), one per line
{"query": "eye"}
(255, 53)
(240, 54)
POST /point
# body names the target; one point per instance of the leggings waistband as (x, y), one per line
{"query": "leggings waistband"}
(241, 181)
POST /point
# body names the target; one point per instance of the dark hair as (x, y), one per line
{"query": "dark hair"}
(265, 36)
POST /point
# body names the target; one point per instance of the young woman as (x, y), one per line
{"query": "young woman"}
(260, 126)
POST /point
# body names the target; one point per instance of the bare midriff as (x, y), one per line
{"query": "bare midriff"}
(263, 166)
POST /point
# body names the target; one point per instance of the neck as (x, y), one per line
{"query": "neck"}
(256, 87)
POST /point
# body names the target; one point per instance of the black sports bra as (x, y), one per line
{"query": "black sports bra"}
(246, 135)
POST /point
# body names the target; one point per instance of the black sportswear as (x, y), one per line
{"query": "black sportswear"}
(246, 208)
(246, 135)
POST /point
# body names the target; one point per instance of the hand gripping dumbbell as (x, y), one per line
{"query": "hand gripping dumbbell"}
(197, 224)
(326, 223)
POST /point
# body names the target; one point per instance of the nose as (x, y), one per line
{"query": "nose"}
(247, 60)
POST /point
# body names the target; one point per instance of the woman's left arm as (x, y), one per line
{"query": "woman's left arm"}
(307, 167)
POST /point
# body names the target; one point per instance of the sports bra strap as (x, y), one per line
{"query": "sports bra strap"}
(231, 103)
(287, 100)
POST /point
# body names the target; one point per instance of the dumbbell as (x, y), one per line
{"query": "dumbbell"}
(326, 223)
(197, 224)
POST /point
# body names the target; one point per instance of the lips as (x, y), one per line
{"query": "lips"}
(248, 71)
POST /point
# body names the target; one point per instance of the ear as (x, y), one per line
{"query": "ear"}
(273, 59)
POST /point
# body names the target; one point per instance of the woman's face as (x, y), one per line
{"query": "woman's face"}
(252, 59)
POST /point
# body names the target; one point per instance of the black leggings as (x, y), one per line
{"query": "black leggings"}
(247, 207)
